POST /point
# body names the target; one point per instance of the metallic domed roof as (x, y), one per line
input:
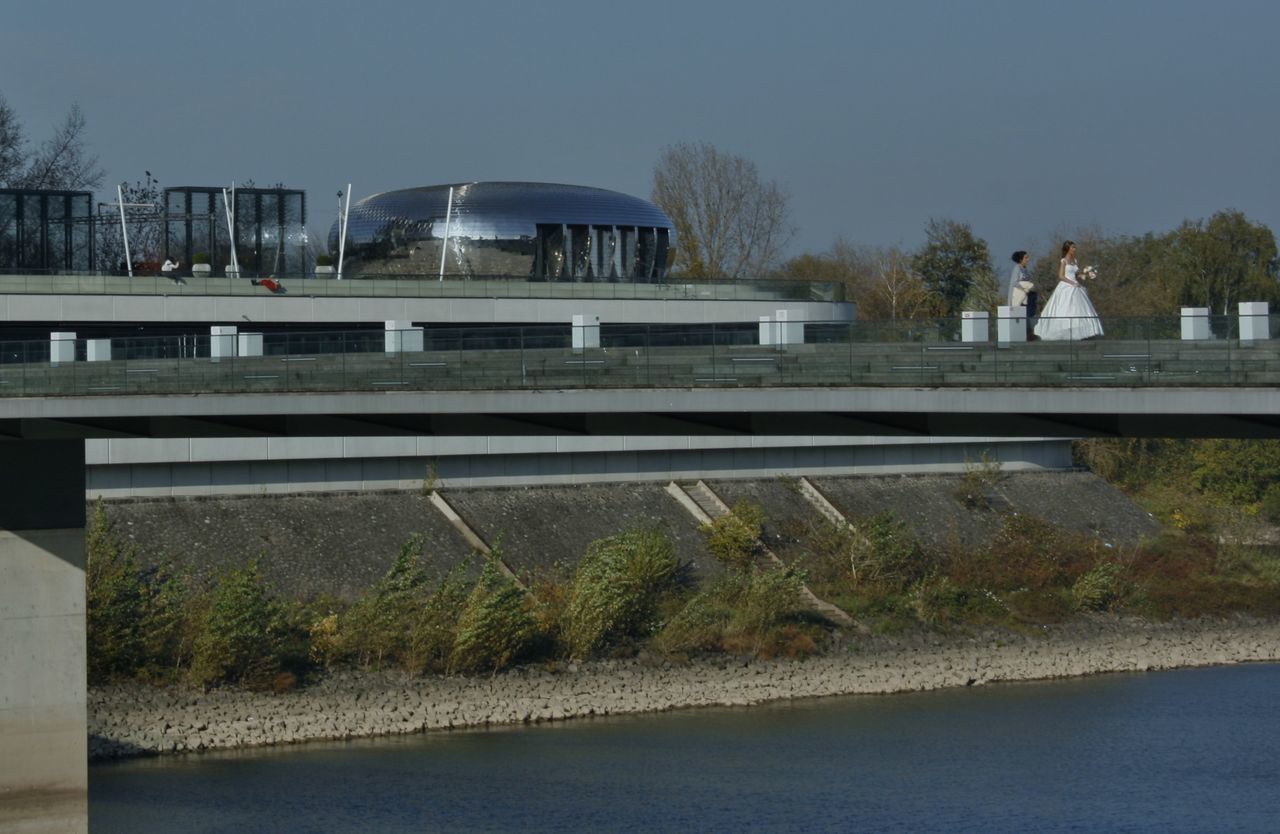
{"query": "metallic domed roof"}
(497, 210)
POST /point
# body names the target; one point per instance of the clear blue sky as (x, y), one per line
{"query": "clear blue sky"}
(1026, 120)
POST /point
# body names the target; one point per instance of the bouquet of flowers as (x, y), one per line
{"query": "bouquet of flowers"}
(1088, 273)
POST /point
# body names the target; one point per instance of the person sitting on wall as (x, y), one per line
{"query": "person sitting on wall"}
(270, 283)
(170, 270)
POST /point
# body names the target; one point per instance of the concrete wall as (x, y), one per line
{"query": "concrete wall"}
(135, 468)
(43, 741)
(300, 308)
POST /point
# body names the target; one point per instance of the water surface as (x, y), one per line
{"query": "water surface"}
(1188, 750)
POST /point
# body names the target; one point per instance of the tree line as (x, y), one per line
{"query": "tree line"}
(732, 224)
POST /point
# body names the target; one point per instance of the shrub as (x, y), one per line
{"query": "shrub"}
(1097, 589)
(170, 620)
(1270, 509)
(746, 612)
(115, 603)
(200, 258)
(616, 588)
(733, 539)
(435, 627)
(974, 487)
(376, 629)
(700, 625)
(884, 553)
(324, 260)
(496, 625)
(938, 600)
(240, 636)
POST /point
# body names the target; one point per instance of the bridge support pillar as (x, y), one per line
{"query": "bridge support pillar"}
(44, 772)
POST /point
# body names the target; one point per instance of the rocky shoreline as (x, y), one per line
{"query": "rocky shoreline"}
(138, 720)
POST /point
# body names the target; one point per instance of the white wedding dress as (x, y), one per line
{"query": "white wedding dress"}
(1069, 313)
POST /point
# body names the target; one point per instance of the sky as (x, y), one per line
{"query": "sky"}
(1029, 120)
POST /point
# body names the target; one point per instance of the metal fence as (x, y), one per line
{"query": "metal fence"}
(1134, 353)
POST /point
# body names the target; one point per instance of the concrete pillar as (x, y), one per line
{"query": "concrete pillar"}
(1195, 324)
(44, 773)
(1011, 325)
(62, 348)
(98, 350)
(402, 337)
(249, 344)
(1255, 321)
(586, 332)
(222, 342)
(975, 326)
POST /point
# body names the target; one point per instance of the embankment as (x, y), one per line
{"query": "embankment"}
(135, 719)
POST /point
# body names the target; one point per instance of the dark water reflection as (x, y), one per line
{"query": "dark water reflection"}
(1191, 750)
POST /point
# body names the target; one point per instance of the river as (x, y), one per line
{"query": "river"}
(1185, 750)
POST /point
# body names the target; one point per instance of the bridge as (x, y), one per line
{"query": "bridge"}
(533, 381)
(918, 379)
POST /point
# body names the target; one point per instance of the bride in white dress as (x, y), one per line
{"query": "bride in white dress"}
(1069, 313)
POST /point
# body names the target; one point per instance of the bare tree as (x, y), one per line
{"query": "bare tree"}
(729, 223)
(892, 290)
(12, 155)
(61, 161)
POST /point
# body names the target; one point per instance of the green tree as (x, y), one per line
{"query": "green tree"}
(951, 262)
(1224, 260)
(729, 222)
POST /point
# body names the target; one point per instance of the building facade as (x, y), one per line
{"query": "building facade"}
(46, 231)
(270, 228)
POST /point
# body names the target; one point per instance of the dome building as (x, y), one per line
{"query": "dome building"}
(526, 230)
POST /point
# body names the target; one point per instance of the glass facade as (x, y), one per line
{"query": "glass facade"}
(536, 231)
(46, 231)
(270, 229)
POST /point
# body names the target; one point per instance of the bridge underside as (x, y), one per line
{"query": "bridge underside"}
(1064, 424)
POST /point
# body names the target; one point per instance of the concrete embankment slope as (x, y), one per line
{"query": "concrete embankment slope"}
(342, 543)
(136, 720)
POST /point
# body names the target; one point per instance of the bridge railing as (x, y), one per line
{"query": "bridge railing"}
(1133, 353)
